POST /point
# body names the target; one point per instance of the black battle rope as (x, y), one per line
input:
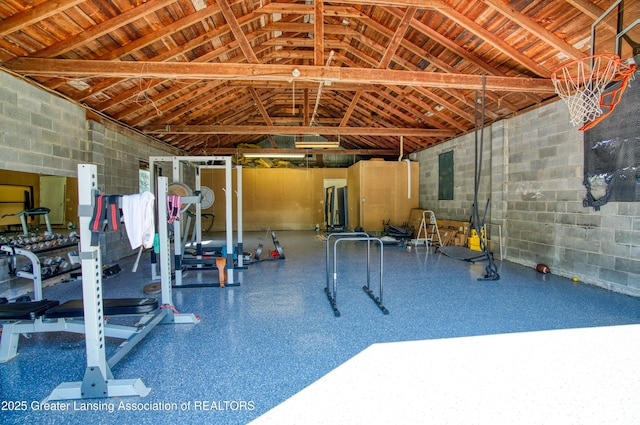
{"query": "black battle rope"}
(491, 271)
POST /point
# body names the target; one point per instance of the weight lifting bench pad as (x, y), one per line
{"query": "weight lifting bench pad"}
(25, 311)
(112, 307)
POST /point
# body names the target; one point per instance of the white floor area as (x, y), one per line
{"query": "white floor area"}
(573, 376)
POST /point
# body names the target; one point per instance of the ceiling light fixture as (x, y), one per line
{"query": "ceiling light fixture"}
(199, 4)
(305, 144)
(275, 155)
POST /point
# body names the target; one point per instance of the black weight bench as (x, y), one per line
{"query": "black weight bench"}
(51, 316)
(74, 309)
(25, 311)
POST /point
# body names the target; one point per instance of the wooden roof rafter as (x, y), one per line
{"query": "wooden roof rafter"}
(417, 62)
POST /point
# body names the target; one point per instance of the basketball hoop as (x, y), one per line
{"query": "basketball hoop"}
(581, 83)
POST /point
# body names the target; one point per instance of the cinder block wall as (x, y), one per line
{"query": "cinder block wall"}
(117, 152)
(44, 134)
(533, 172)
(39, 133)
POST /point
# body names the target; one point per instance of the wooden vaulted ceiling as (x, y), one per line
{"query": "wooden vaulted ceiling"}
(210, 76)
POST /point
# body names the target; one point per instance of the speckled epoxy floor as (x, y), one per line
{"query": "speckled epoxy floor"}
(275, 334)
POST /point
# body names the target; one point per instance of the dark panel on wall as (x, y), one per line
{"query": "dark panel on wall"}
(612, 153)
(445, 176)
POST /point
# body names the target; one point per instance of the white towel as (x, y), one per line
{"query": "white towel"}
(138, 215)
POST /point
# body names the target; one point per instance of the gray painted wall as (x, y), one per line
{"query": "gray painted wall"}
(532, 172)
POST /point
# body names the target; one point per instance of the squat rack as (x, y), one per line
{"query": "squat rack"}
(200, 163)
(98, 379)
(332, 290)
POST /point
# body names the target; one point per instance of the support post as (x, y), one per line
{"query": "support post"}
(229, 218)
(239, 214)
(165, 259)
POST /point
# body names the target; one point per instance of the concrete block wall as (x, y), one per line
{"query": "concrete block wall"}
(117, 152)
(45, 134)
(39, 133)
(533, 172)
(461, 207)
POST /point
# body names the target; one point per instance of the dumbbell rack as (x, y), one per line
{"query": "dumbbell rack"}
(36, 267)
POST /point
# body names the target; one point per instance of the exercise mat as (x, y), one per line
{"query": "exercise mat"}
(461, 253)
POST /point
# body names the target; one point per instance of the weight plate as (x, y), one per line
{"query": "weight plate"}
(279, 249)
(182, 190)
(207, 197)
(152, 289)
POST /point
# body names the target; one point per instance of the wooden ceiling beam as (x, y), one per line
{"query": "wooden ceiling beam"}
(35, 14)
(303, 9)
(449, 45)
(361, 114)
(224, 100)
(409, 66)
(446, 118)
(307, 9)
(547, 36)
(232, 71)
(302, 85)
(164, 93)
(438, 38)
(305, 28)
(263, 112)
(305, 107)
(421, 4)
(586, 7)
(397, 37)
(288, 42)
(176, 27)
(293, 120)
(143, 100)
(318, 33)
(278, 54)
(262, 129)
(240, 36)
(84, 37)
(354, 101)
(125, 95)
(362, 152)
(495, 41)
(166, 31)
(443, 102)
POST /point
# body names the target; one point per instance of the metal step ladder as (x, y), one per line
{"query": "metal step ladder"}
(428, 226)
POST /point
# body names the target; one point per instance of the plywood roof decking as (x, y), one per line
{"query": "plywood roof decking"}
(371, 70)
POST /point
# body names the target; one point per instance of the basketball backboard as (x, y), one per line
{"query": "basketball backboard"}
(617, 30)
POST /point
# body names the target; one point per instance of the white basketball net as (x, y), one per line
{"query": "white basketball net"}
(581, 84)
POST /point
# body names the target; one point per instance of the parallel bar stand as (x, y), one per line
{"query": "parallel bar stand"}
(332, 292)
